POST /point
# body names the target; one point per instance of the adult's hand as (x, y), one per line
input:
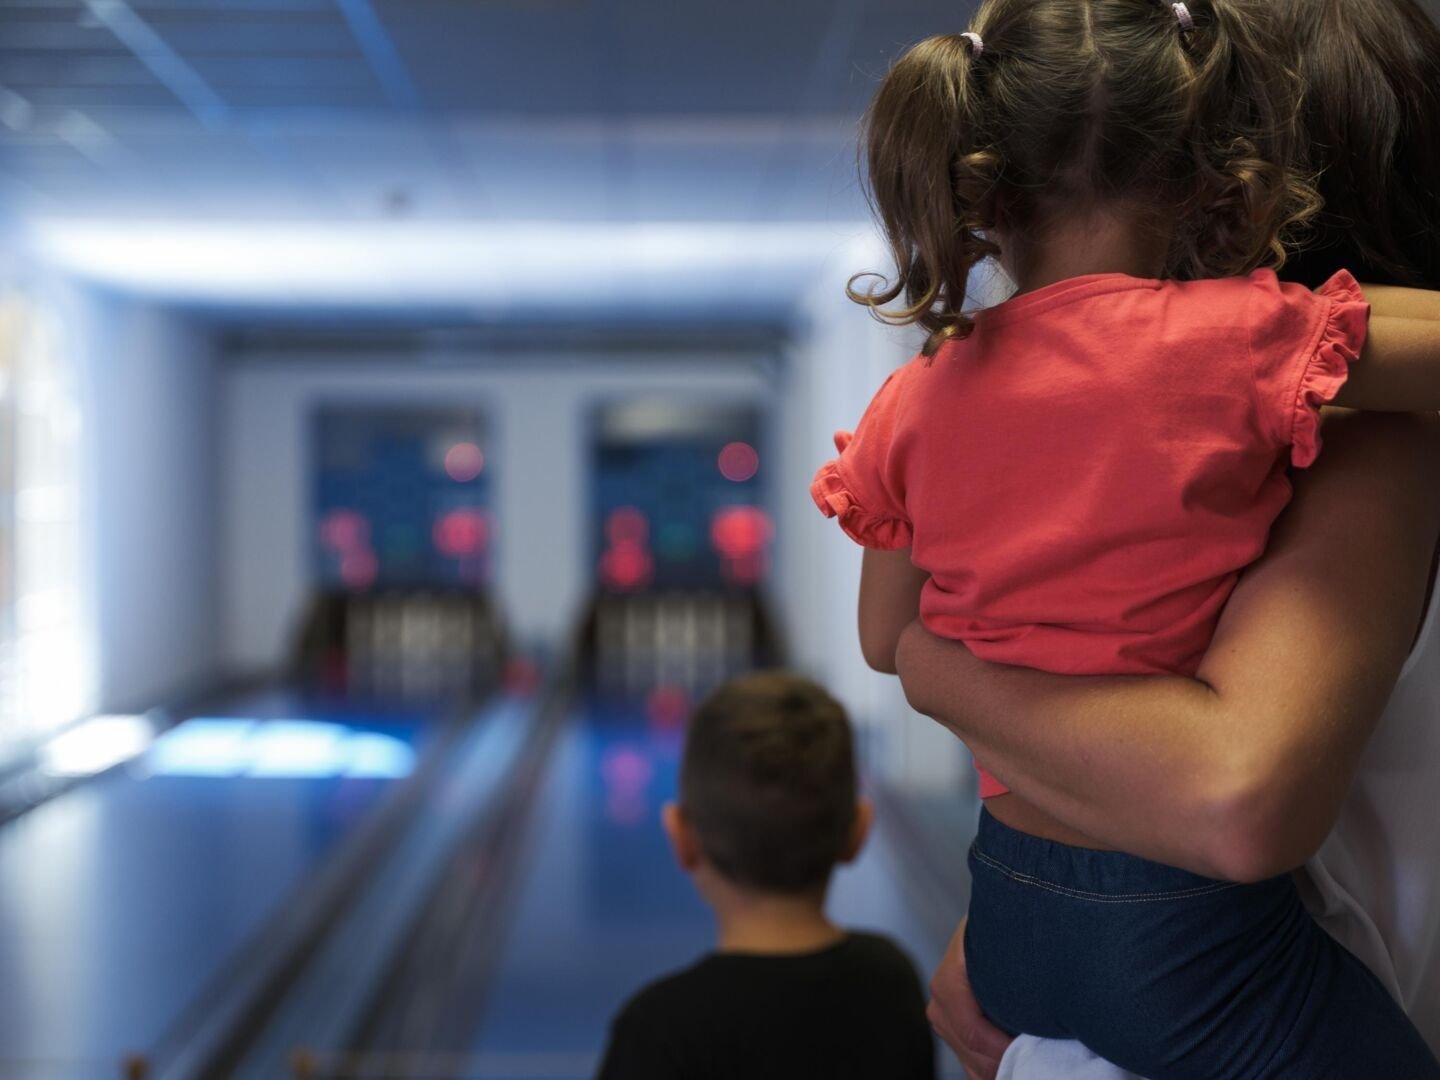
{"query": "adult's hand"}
(956, 1015)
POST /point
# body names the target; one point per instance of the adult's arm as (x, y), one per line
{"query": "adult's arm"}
(1399, 368)
(1240, 772)
(1396, 301)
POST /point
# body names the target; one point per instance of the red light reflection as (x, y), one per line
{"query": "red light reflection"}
(522, 676)
(667, 707)
(746, 570)
(464, 462)
(738, 531)
(461, 532)
(739, 462)
(344, 530)
(627, 525)
(627, 774)
(358, 569)
(627, 565)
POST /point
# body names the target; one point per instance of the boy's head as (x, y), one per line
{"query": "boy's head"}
(767, 786)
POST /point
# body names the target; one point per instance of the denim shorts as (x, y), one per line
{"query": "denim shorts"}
(1170, 974)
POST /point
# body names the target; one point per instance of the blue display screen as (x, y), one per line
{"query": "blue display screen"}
(679, 499)
(402, 497)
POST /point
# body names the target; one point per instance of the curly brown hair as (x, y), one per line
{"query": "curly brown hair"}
(1076, 106)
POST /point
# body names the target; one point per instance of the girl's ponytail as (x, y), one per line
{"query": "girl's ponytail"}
(1184, 110)
(931, 184)
(1250, 204)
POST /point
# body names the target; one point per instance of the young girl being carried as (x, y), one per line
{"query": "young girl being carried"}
(1073, 480)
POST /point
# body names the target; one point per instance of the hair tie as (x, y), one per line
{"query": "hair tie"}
(1183, 17)
(977, 46)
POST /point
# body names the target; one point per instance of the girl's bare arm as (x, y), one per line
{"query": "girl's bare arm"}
(890, 587)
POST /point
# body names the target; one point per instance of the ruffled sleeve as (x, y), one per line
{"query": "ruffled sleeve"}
(1302, 344)
(1343, 328)
(863, 488)
(837, 499)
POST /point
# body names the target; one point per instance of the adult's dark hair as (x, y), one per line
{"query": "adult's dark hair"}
(1371, 118)
(1082, 105)
(768, 781)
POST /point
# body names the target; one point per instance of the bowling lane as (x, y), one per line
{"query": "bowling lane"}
(601, 907)
(125, 901)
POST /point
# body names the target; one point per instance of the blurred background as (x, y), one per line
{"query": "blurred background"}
(406, 412)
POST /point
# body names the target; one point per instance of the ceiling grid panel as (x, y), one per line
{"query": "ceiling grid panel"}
(394, 73)
(785, 167)
(168, 66)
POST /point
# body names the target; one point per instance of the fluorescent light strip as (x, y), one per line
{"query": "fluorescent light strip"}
(293, 749)
(398, 263)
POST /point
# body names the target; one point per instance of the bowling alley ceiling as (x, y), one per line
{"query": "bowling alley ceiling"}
(481, 110)
(636, 159)
(631, 159)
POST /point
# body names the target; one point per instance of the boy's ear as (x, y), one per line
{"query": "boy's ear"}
(860, 830)
(684, 844)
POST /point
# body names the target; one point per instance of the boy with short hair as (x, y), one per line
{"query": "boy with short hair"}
(768, 806)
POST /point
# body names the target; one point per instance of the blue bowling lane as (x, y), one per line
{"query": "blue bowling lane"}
(125, 901)
(602, 908)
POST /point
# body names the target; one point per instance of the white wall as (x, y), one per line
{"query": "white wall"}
(147, 401)
(832, 373)
(538, 406)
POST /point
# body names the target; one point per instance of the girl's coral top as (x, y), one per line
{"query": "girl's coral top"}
(1085, 476)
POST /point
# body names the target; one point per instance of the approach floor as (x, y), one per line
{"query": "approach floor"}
(125, 901)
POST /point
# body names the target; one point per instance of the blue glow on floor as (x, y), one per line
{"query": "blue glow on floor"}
(296, 749)
(123, 900)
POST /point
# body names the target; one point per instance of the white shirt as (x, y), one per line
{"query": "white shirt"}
(1375, 883)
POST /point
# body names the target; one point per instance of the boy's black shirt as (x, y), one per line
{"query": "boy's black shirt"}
(852, 1010)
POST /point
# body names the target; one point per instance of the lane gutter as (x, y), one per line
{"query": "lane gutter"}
(236, 1004)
